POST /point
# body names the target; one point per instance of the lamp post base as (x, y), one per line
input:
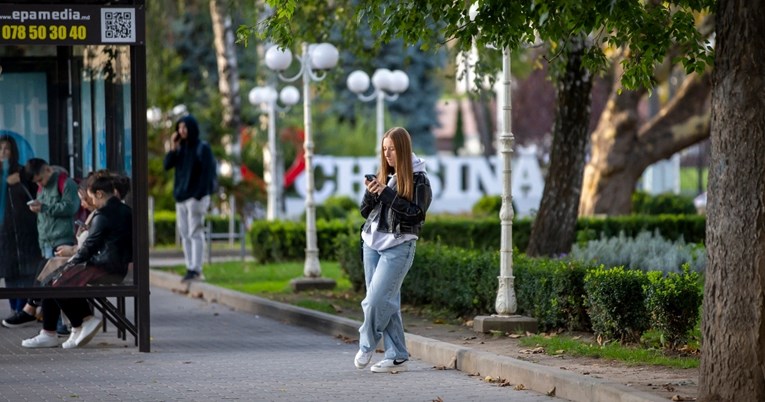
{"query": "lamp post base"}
(306, 283)
(507, 323)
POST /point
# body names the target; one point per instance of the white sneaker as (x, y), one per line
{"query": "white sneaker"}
(72, 341)
(389, 366)
(362, 358)
(42, 340)
(88, 330)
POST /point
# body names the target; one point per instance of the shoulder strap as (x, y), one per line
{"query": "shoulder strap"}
(61, 182)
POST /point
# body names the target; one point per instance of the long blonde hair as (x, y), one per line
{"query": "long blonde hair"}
(402, 141)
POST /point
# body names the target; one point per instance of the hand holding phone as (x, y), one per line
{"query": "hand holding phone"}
(370, 177)
(30, 202)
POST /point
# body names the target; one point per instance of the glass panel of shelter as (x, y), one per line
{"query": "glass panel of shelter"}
(68, 105)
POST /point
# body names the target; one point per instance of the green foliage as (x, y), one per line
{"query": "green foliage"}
(552, 291)
(648, 29)
(666, 203)
(630, 354)
(616, 303)
(488, 205)
(646, 251)
(674, 301)
(285, 240)
(350, 257)
(461, 281)
(692, 228)
(337, 207)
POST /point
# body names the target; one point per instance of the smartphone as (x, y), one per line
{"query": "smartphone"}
(30, 202)
(370, 177)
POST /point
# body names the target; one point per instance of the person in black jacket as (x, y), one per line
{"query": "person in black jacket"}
(102, 258)
(394, 205)
(195, 180)
(19, 250)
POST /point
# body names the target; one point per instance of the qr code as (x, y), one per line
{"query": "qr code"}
(118, 25)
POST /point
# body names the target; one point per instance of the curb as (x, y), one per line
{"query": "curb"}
(536, 377)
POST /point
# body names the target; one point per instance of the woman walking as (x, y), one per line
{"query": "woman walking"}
(394, 205)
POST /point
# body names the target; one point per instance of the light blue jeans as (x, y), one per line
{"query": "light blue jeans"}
(384, 272)
(190, 218)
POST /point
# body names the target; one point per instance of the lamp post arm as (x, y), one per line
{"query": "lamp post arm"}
(301, 60)
(367, 98)
(390, 97)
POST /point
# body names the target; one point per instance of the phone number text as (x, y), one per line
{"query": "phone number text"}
(43, 32)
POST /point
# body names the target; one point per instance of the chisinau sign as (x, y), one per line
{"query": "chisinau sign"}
(457, 182)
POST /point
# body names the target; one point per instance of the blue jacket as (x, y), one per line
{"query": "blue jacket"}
(196, 171)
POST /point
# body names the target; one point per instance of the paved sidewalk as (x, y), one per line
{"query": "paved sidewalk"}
(532, 376)
(204, 351)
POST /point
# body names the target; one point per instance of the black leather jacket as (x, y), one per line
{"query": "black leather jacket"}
(398, 215)
(110, 238)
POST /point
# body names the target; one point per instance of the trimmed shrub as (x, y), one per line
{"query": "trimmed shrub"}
(674, 301)
(616, 303)
(285, 240)
(552, 291)
(665, 203)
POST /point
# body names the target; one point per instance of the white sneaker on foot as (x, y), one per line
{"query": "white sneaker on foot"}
(362, 358)
(88, 330)
(389, 366)
(42, 340)
(72, 341)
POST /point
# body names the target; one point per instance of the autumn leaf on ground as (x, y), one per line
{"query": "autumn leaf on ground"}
(337, 308)
(438, 399)
(551, 392)
(515, 336)
(682, 398)
(519, 387)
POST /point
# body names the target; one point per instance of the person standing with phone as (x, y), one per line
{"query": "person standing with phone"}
(196, 174)
(394, 205)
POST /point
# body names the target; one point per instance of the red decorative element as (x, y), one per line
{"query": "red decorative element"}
(298, 165)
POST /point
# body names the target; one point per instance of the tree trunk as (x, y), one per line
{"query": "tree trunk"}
(228, 73)
(622, 148)
(554, 228)
(733, 322)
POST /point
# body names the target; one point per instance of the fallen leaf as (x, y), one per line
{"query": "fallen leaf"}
(438, 399)
(438, 321)
(551, 392)
(337, 308)
(470, 338)
(519, 387)
(600, 340)
(683, 398)
(559, 352)
(488, 378)
(515, 336)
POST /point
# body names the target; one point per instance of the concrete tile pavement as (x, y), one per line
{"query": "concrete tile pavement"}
(203, 351)
(441, 354)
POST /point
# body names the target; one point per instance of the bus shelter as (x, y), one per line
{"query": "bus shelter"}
(73, 92)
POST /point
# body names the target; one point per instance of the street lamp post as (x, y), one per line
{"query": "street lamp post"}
(314, 57)
(505, 304)
(387, 86)
(266, 97)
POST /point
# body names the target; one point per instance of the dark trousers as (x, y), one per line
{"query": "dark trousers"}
(75, 310)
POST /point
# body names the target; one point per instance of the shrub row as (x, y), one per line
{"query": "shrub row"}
(615, 303)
